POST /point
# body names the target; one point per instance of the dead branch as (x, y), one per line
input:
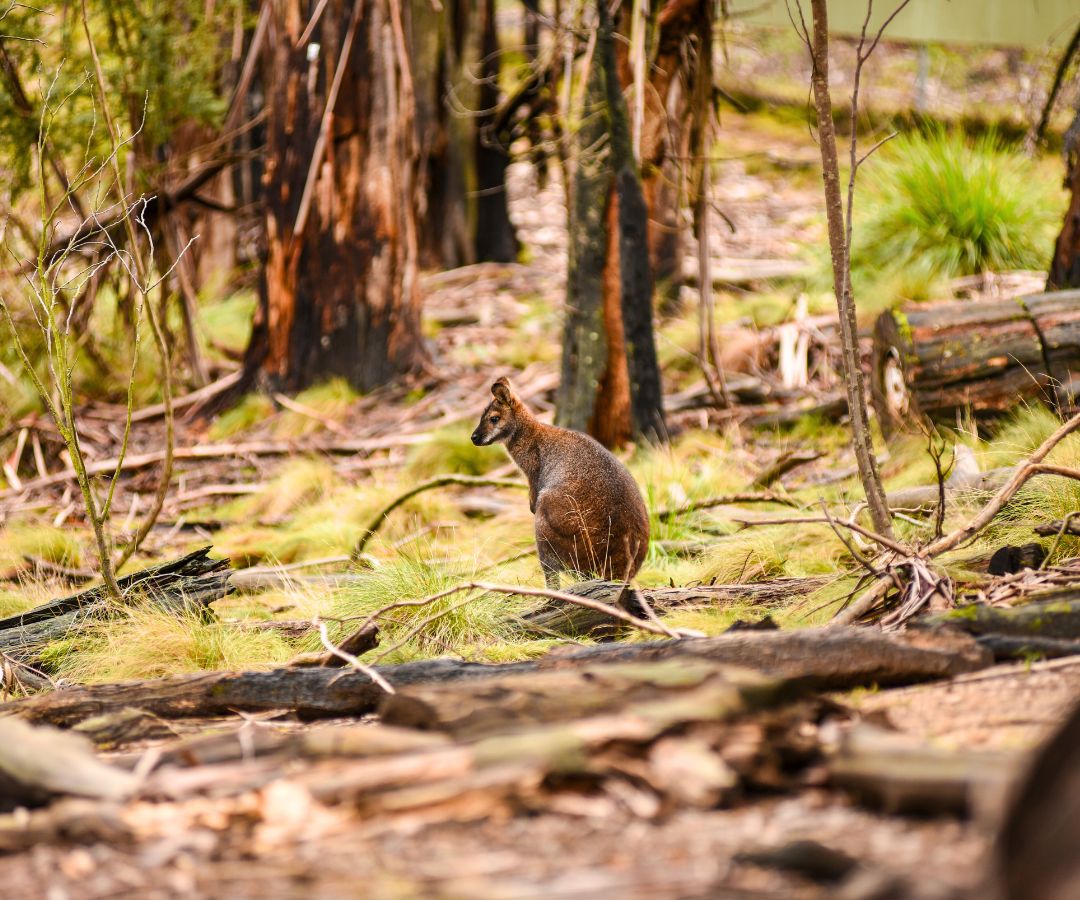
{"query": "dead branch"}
(437, 482)
(885, 542)
(217, 451)
(349, 658)
(724, 500)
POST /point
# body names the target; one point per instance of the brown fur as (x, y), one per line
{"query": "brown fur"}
(590, 517)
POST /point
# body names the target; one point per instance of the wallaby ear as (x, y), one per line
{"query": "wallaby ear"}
(502, 391)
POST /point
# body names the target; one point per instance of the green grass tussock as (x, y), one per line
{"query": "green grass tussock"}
(145, 641)
(942, 205)
(450, 451)
(330, 400)
(247, 413)
(56, 545)
(468, 624)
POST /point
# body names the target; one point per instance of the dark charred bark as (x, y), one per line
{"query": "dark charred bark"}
(339, 294)
(495, 238)
(611, 379)
(445, 44)
(1065, 266)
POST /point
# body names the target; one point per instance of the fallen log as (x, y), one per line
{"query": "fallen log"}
(1047, 618)
(936, 359)
(1005, 647)
(902, 775)
(475, 709)
(574, 621)
(187, 584)
(818, 658)
(1035, 852)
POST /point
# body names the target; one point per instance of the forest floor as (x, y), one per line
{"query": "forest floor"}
(297, 483)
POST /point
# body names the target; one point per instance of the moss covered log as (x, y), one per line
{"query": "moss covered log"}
(936, 359)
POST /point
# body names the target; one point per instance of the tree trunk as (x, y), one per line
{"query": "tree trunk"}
(936, 359)
(447, 49)
(841, 264)
(1065, 266)
(495, 239)
(610, 383)
(339, 294)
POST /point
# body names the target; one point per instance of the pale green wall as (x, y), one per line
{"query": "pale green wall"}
(1022, 23)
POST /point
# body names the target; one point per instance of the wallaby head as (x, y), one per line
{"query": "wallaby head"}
(500, 419)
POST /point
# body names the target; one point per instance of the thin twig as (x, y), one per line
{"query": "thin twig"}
(350, 659)
(724, 500)
(438, 482)
(888, 543)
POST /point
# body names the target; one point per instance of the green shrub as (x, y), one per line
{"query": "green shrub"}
(942, 205)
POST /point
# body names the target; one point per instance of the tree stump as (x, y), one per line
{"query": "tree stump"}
(936, 359)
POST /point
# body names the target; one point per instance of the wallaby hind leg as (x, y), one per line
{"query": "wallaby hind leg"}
(549, 563)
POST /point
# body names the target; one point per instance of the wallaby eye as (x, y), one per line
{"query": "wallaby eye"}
(494, 420)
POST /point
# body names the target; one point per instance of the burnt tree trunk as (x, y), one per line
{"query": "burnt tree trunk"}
(935, 359)
(610, 384)
(495, 240)
(445, 44)
(339, 294)
(1065, 266)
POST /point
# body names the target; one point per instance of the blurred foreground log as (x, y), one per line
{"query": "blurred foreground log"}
(1035, 856)
(819, 658)
(37, 764)
(904, 775)
(937, 359)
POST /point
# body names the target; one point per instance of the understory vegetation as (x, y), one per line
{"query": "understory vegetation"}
(932, 206)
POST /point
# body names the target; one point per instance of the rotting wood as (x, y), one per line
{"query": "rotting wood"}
(1053, 618)
(1007, 647)
(1060, 526)
(190, 583)
(818, 658)
(356, 644)
(474, 709)
(935, 359)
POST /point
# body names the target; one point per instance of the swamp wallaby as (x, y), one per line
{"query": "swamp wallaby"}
(590, 517)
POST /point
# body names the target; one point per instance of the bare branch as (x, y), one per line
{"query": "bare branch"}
(350, 659)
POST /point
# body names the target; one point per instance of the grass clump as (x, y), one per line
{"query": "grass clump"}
(145, 641)
(249, 412)
(330, 400)
(943, 205)
(451, 451)
(468, 624)
(55, 545)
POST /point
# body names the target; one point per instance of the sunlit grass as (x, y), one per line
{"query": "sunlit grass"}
(144, 641)
(450, 451)
(470, 623)
(941, 204)
(328, 401)
(248, 412)
(62, 546)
